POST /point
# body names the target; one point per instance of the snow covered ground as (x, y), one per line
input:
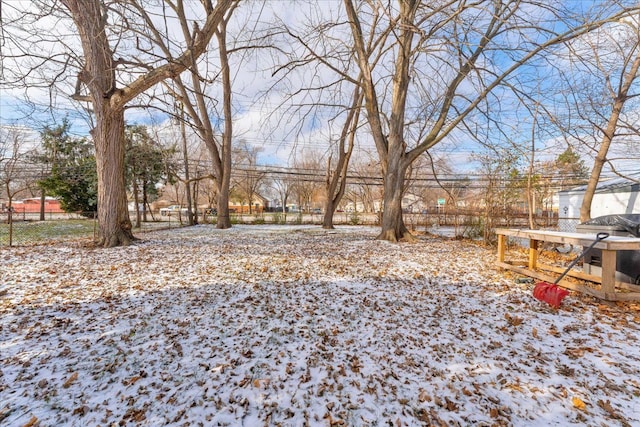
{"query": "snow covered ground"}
(293, 326)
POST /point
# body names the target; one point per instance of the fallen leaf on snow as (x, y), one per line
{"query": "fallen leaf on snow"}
(70, 380)
(578, 403)
(33, 421)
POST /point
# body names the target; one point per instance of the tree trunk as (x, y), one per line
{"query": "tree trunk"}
(327, 220)
(337, 184)
(113, 214)
(389, 143)
(224, 176)
(185, 158)
(224, 220)
(136, 199)
(145, 200)
(98, 74)
(42, 203)
(393, 228)
(600, 160)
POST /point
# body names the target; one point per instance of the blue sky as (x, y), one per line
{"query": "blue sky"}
(257, 119)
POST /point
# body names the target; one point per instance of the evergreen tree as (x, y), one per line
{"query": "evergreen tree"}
(571, 168)
(73, 178)
(145, 167)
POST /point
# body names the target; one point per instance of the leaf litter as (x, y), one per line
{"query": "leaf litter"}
(289, 326)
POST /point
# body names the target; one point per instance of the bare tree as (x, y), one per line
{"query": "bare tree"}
(320, 78)
(17, 174)
(308, 184)
(336, 180)
(454, 42)
(200, 107)
(248, 178)
(618, 76)
(283, 185)
(118, 64)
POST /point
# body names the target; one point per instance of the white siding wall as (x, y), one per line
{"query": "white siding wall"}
(603, 204)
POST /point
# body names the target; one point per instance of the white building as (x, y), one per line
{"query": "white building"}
(612, 197)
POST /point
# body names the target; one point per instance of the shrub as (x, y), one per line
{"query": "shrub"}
(279, 218)
(355, 218)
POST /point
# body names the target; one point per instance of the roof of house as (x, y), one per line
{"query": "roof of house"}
(631, 184)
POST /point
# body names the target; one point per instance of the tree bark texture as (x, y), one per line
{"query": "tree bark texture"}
(113, 213)
(393, 227)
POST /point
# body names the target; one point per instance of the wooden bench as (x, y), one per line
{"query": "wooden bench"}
(606, 287)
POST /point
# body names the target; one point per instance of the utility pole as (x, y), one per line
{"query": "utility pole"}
(185, 155)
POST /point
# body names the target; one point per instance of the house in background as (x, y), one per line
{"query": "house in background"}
(32, 205)
(239, 205)
(612, 197)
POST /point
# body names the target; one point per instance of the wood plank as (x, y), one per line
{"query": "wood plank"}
(533, 253)
(502, 247)
(608, 271)
(616, 296)
(573, 273)
(580, 239)
(588, 277)
(564, 283)
(627, 296)
(628, 286)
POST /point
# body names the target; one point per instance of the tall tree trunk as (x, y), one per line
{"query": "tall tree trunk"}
(43, 199)
(222, 188)
(393, 227)
(145, 200)
(224, 177)
(329, 210)
(113, 215)
(98, 74)
(185, 158)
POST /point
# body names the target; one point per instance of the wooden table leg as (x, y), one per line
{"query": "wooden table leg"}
(609, 273)
(502, 247)
(533, 254)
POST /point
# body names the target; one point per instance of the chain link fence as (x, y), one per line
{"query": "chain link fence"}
(20, 229)
(568, 225)
(26, 229)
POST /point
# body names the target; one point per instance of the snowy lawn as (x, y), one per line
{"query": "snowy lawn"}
(293, 326)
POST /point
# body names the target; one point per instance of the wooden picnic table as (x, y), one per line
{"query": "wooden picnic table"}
(606, 287)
